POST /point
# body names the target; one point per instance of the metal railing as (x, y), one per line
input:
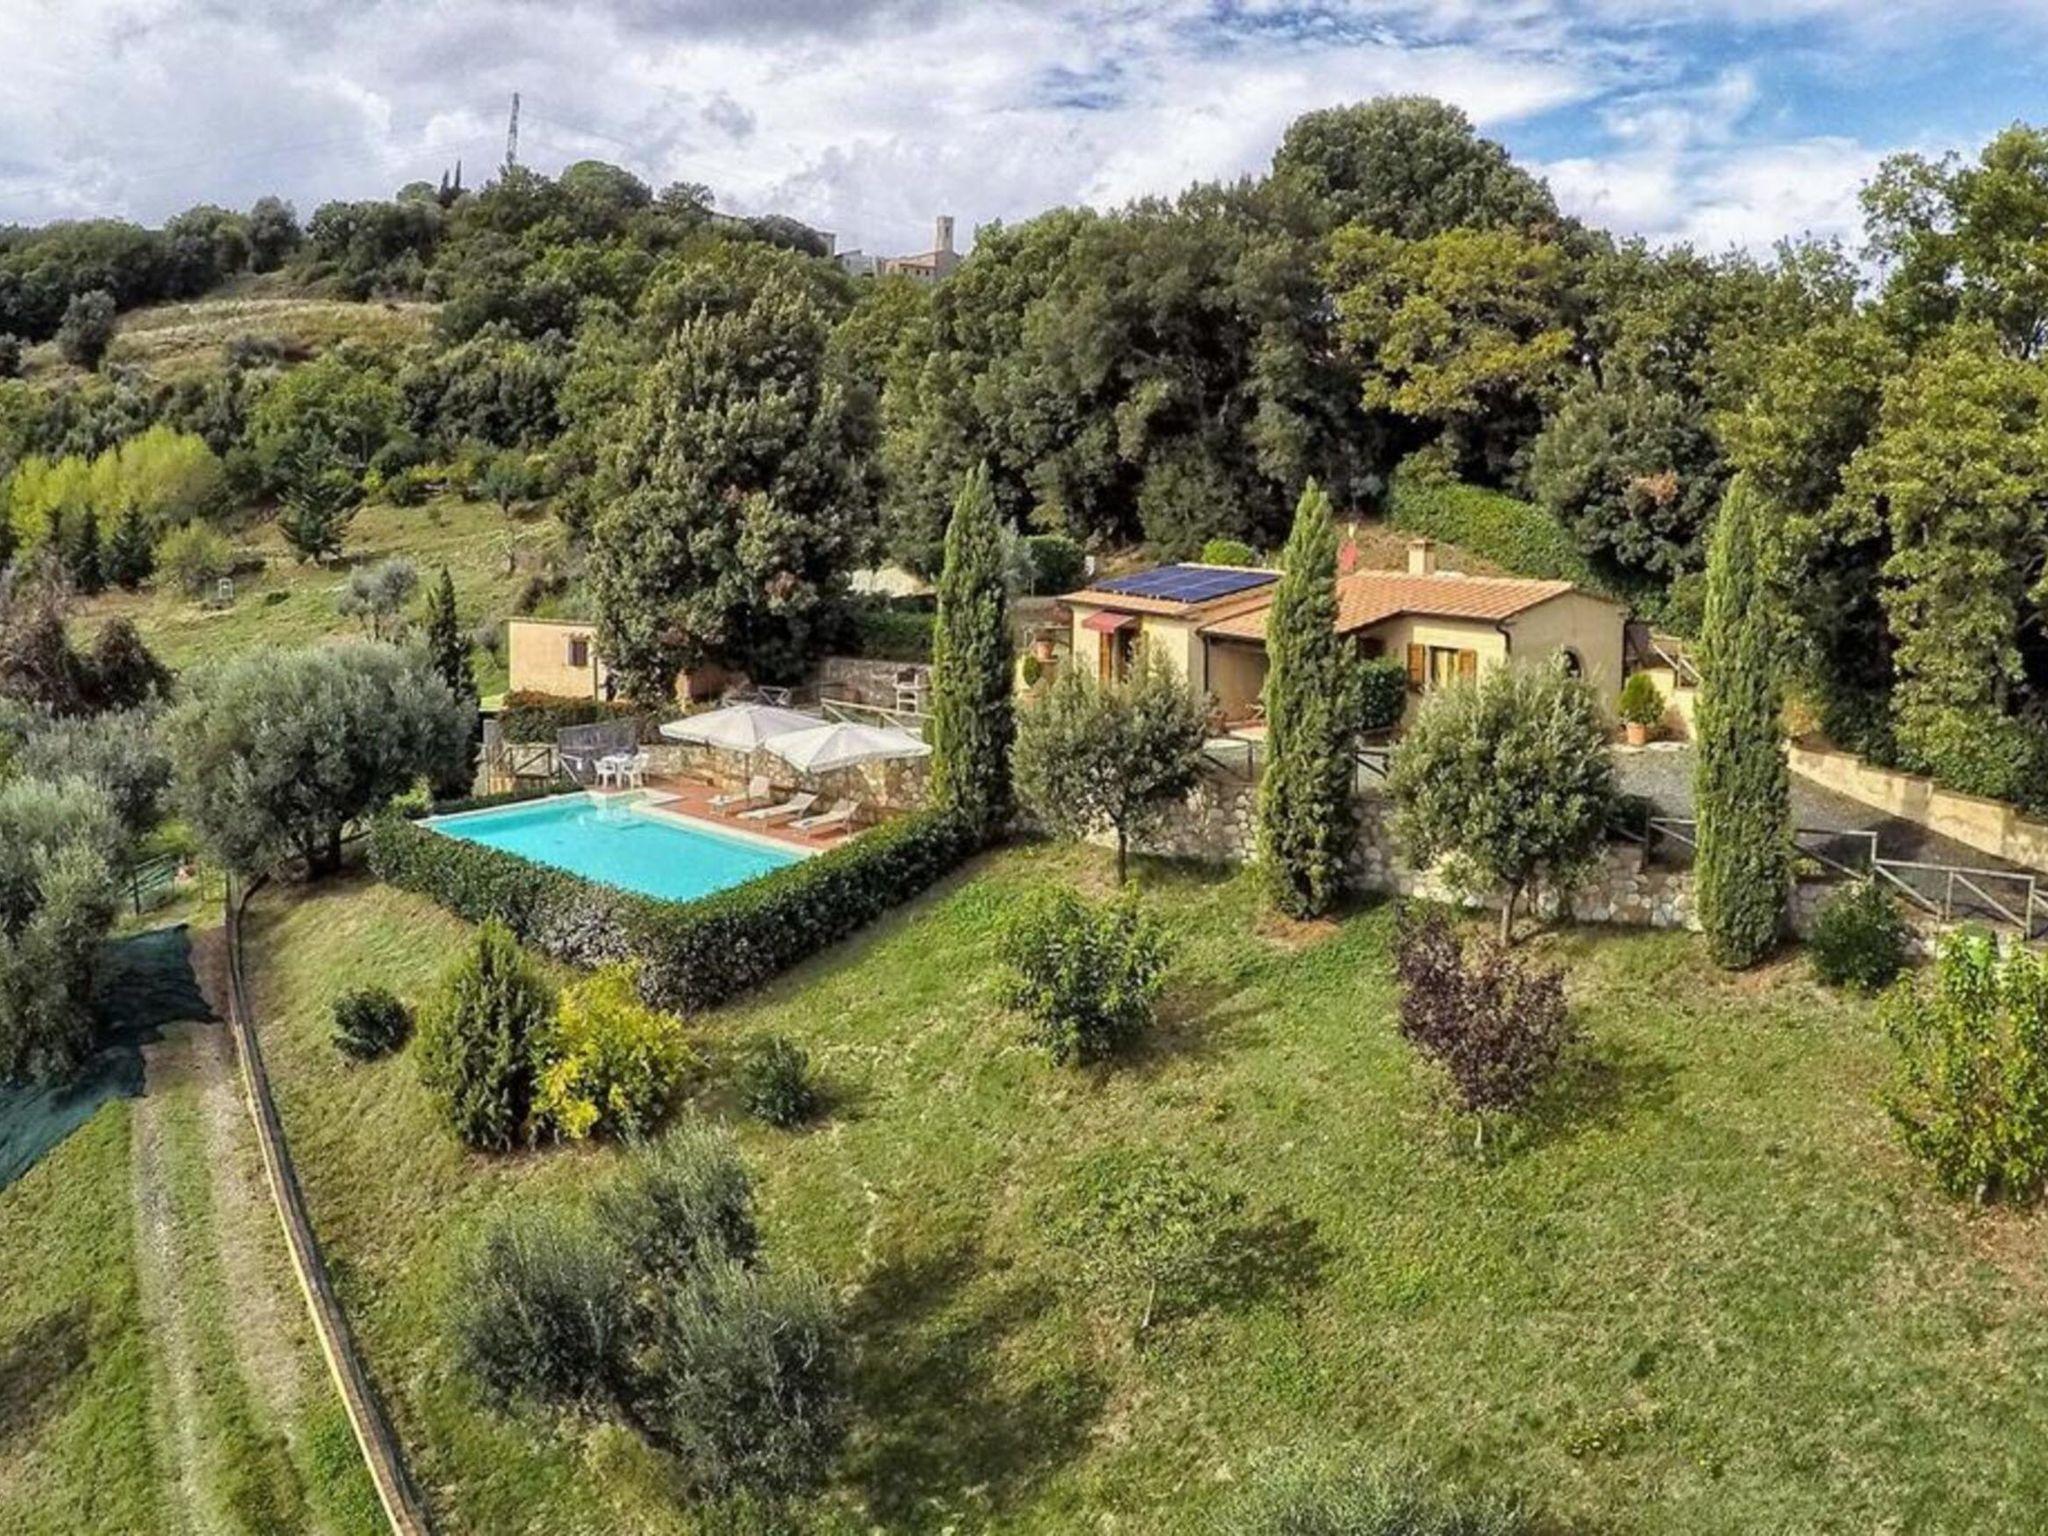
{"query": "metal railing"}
(850, 712)
(1946, 891)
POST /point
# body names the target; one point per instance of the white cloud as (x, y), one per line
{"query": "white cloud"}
(869, 116)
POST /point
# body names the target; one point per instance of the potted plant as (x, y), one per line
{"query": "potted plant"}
(1641, 708)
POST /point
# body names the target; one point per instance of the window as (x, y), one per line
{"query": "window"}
(1573, 666)
(1431, 667)
(579, 651)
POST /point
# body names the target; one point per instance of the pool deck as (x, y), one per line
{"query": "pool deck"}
(692, 798)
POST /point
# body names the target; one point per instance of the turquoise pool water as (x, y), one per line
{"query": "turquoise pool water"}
(617, 845)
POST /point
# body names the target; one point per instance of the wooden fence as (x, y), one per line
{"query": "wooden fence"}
(381, 1453)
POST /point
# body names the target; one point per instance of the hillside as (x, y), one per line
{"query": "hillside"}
(169, 340)
(279, 601)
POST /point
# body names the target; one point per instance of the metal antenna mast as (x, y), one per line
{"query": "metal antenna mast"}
(512, 135)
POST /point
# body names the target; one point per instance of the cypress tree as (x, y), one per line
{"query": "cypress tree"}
(1306, 821)
(447, 651)
(8, 542)
(1743, 786)
(973, 721)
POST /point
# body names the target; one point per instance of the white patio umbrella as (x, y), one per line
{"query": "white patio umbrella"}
(738, 727)
(825, 747)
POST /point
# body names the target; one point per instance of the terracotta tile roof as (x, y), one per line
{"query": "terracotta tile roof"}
(1365, 598)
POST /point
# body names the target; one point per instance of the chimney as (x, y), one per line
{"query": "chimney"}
(942, 236)
(1422, 557)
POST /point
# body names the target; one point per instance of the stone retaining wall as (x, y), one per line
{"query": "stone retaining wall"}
(890, 786)
(1989, 826)
(1217, 825)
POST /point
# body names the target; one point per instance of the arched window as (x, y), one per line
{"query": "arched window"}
(1573, 666)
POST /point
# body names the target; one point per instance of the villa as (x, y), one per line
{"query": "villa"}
(1209, 623)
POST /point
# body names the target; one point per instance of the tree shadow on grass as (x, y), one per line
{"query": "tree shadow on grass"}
(946, 1419)
(37, 1366)
(1195, 1024)
(1600, 1088)
(1277, 1252)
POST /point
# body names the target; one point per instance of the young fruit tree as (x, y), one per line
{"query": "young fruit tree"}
(1743, 786)
(1088, 977)
(973, 721)
(1508, 781)
(1306, 821)
(1093, 756)
(1970, 1090)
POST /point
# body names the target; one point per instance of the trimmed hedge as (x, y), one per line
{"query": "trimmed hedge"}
(688, 955)
(1517, 535)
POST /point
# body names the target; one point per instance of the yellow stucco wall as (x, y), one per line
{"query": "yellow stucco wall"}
(1586, 625)
(537, 659)
(1237, 677)
(1174, 641)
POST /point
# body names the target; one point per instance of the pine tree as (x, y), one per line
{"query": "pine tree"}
(81, 553)
(131, 556)
(973, 722)
(318, 502)
(1743, 786)
(1306, 822)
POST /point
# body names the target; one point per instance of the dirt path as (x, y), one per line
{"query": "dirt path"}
(230, 1337)
(170, 1329)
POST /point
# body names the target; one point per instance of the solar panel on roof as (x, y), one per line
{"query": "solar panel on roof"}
(1186, 583)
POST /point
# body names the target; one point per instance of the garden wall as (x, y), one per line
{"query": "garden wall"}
(1989, 826)
(890, 786)
(1217, 825)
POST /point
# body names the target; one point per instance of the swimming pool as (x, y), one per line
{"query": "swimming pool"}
(621, 843)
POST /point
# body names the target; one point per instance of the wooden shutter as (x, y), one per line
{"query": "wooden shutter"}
(1468, 664)
(1418, 666)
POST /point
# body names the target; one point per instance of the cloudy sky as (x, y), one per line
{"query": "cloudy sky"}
(1719, 121)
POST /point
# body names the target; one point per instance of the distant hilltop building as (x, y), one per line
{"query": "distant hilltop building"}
(929, 266)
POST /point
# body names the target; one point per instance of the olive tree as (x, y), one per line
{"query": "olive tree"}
(1508, 780)
(60, 844)
(283, 749)
(1109, 756)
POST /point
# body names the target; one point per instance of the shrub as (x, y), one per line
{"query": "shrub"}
(1970, 1093)
(1307, 1495)
(776, 1084)
(1058, 564)
(87, 329)
(1147, 1229)
(1641, 701)
(195, 557)
(651, 1307)
(539, 1312)
(690, 955)
(746, 1381)
(1088, 977)
(609, 1064)
(1496, 1027)
(1228, 552)
(1859, 939)
(680, 1205)
(527, 716)
(370, 1022)
(1382, 693)
(477, 1040)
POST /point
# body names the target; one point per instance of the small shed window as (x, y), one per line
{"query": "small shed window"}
(579, 651)
(1573, 666)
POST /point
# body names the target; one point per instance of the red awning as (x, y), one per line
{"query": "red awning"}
(1106, 623)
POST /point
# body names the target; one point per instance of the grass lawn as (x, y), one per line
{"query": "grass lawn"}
(1702, 1292)
(76, 1447)
(490, 555)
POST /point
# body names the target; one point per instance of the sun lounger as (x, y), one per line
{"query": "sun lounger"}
(838, 819)
(757, 790)
(795, 805)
